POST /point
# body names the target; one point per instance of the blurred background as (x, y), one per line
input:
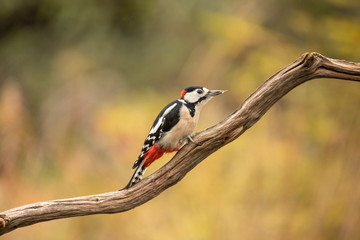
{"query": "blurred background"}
(82, 81)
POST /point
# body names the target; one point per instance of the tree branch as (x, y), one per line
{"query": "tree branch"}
(307, 67)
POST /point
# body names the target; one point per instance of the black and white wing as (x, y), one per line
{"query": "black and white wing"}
(166, 119)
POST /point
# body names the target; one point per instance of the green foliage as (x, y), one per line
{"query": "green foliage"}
(82, 81)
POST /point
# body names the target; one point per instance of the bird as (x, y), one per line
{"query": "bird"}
(172, 128)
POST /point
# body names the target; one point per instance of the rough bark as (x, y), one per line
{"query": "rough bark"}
(308, 66)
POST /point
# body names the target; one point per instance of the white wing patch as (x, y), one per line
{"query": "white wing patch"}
(161, 119)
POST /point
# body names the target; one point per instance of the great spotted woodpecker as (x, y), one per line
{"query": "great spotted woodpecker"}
(172, 128)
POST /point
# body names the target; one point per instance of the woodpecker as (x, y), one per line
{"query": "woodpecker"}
(172, 128)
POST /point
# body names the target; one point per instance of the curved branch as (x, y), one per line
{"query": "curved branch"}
(307, 67)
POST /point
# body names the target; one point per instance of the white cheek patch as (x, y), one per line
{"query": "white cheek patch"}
(193, 96)
(190, 97)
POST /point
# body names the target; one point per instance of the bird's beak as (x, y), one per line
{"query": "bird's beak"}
(213, 93)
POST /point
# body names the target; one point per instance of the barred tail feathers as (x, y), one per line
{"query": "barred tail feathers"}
(137, 176)
(149, 157)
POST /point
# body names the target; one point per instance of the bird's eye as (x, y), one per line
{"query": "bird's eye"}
(199, 91)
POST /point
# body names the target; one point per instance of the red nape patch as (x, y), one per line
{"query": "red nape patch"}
(183, 92)
(155, 152)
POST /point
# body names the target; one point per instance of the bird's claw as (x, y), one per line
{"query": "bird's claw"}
(189, 139)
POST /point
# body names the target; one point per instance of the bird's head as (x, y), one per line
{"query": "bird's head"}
(196, 94)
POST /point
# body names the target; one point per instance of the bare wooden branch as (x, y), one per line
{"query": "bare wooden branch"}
(308, 66)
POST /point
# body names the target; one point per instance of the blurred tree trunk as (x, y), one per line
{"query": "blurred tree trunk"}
(308, 66)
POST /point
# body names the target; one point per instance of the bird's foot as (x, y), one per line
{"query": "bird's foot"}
(189, 139)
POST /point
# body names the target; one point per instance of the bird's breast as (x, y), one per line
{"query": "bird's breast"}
(181, 130)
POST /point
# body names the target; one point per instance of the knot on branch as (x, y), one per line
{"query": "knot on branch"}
(3, 221)
(319, 66)
(311, 61)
